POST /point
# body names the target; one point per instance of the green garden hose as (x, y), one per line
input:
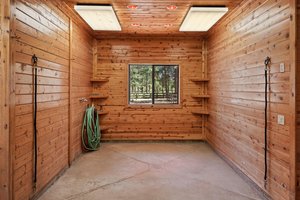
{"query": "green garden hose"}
(91, 129)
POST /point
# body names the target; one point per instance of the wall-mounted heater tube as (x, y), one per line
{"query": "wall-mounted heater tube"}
(267, 63)
(34, 71)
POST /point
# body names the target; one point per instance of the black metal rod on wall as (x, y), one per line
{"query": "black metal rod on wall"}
(267, 63)
(153, 84)
(34, 64)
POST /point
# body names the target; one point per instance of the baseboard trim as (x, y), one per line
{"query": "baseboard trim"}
(152, 141)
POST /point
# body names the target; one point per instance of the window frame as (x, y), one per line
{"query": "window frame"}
(177, 105)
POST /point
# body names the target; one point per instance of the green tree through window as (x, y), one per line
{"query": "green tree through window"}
(153, 84)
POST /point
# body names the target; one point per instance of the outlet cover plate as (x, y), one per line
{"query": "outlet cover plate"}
(281, 67)
(281, 119)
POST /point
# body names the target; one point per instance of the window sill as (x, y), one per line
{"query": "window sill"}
(130, 106)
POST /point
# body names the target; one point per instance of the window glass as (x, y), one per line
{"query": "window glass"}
(166, 85)
(153, 84)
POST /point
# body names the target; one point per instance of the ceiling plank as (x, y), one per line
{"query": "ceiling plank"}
(152, 16)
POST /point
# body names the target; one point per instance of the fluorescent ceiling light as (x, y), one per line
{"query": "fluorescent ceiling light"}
(100, 18)
(202, 18)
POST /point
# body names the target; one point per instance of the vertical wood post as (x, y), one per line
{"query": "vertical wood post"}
(95, 58)
(204, 85)
(70, 154)
(5, 178)
(293, 59)
(12, 101)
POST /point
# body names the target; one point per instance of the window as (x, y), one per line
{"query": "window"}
(153, 84)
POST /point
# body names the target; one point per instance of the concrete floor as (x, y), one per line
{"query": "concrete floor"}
(150, 171)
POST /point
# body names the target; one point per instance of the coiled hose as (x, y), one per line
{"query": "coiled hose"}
(91, 130)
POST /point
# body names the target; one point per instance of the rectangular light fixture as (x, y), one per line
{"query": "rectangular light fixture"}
(99, 17)
(202, 18)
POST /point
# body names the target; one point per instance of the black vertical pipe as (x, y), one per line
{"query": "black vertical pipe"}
(153, 84)
(34, 63)
(129, 85)
(267, 62)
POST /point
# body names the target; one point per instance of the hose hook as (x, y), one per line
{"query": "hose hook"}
(34, 60)
(267, 62)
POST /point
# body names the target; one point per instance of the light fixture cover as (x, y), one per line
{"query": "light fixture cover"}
(99, 17)
(202, 18)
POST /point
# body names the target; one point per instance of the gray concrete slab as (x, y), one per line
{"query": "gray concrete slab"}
(150, 171)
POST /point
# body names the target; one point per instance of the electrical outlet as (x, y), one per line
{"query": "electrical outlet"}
(281, 67)
(280, 119)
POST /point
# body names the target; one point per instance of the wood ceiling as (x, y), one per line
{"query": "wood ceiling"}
(152, 16)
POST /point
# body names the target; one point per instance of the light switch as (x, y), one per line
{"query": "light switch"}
(281, 119)
(281, 67)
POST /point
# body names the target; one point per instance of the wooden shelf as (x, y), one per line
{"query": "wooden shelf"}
(98, 96)
(102, 112)
(105, 128)
(200, 112)
(200, 96)
(99, 80)
(199, 79)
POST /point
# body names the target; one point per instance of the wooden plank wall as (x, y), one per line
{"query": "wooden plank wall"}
(147, 123)
(81, 87)
(41, 28)
(298, 100)
(237, 48)
(4, 101)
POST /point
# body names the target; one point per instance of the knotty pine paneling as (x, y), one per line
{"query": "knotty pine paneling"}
(81, 87)
(40, 29)
(64, 49)
(237, 47)
(149, 123)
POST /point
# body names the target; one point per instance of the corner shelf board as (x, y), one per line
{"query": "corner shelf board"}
(102, 112)
(105, 128)
(99, 80)
(200, 96)
(98, 96)
(200, 112)
(199, 79)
